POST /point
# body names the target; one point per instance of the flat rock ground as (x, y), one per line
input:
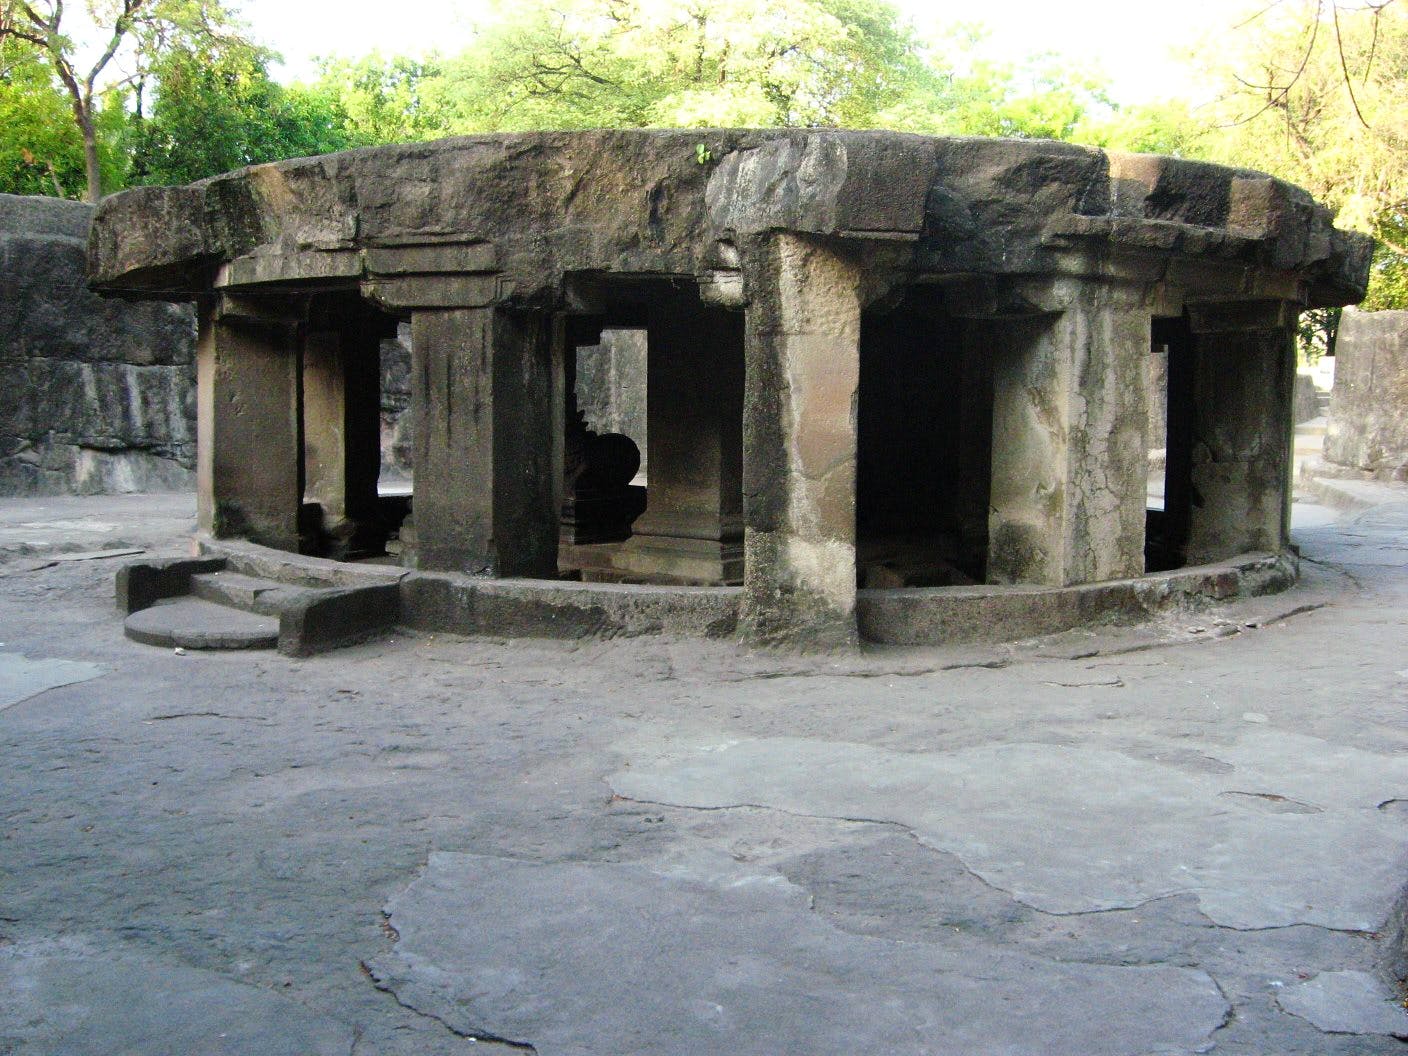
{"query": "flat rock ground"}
(1185, 837)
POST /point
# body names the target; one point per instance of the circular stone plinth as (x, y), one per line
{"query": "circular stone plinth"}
(190, 623)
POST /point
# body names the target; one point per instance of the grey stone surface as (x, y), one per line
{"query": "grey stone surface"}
(1368, 426)
(99, 394)
(22, 677)
(1220, 836)
(1346, 1003)
(250, 816)
(707, 956)
(193, 623)
(397, 441)
(71, 998)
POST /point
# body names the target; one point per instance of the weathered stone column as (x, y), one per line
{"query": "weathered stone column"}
(1069, 445)
(249, 446)
(692, 528)
(802, 361)
(1244, 364)
(342, 422)
(482, 394)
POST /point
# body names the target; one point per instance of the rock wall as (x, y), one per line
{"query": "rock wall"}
(396, 443)
(98, 394)
(1368, 427)
(611, 385)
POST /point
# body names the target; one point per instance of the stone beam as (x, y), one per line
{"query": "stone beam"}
(802, 369)
(482, 390)
(249, 447)
(1069, 445)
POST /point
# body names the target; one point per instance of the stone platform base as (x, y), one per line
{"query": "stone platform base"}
(378, 596)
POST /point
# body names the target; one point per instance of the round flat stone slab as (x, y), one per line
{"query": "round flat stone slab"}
(191, 623)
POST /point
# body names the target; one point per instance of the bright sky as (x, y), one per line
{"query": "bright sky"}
(1133, 41)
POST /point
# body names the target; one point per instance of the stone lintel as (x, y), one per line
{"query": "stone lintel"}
(257, 269)
(280, 309)
(463, 258)
(1221, 317)
(409, 292)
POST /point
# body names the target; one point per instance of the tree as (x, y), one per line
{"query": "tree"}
(208, 105)
(632, 64)
(1318, 95)
(128, 32)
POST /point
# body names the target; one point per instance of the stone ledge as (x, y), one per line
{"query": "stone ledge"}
(955, 615)
(458, 603)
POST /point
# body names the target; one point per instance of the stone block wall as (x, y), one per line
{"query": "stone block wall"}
(98, 395)
(1368, 426)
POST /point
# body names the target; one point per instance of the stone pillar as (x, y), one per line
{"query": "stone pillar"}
(1069, 446)
(482, 389)
(342, 421)
(249, 457)
(692, 528)
(802, 360)
(1244, 364)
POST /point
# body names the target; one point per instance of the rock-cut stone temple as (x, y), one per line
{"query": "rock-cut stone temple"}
(895, 387)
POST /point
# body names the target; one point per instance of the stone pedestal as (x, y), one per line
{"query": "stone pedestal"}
(249, 455)
(482, 394)
(1243, 379)
(799, 430)
(1069, 446)
(692, 528)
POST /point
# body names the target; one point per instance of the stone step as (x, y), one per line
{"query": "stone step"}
(195, 623)
(235, 589)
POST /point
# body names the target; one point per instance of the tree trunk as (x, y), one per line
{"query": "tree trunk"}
(90, 154)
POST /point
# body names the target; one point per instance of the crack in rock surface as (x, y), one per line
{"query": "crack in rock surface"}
(1346, 1003)
(22, 677)
(1083, 829)
(707, 956)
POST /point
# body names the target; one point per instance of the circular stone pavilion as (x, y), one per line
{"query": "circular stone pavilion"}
(896, 386)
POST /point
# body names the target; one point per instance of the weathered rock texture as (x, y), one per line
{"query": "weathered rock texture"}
(786, 279)
(1368, 427)
(397, 443)
(98, 394)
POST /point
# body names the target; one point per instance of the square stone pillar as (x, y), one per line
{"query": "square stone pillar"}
(482, 390)
(802, 361)
(1069, 442)
(249, 443)
(692, 528)
(342, 421)
(1244, 364)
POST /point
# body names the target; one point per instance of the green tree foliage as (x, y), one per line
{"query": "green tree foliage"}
(40, 148)
(1317, 94)
(955, 93)
(623, 64)
(213, 108)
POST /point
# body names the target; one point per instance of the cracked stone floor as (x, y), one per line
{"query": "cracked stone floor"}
(1185, 837)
